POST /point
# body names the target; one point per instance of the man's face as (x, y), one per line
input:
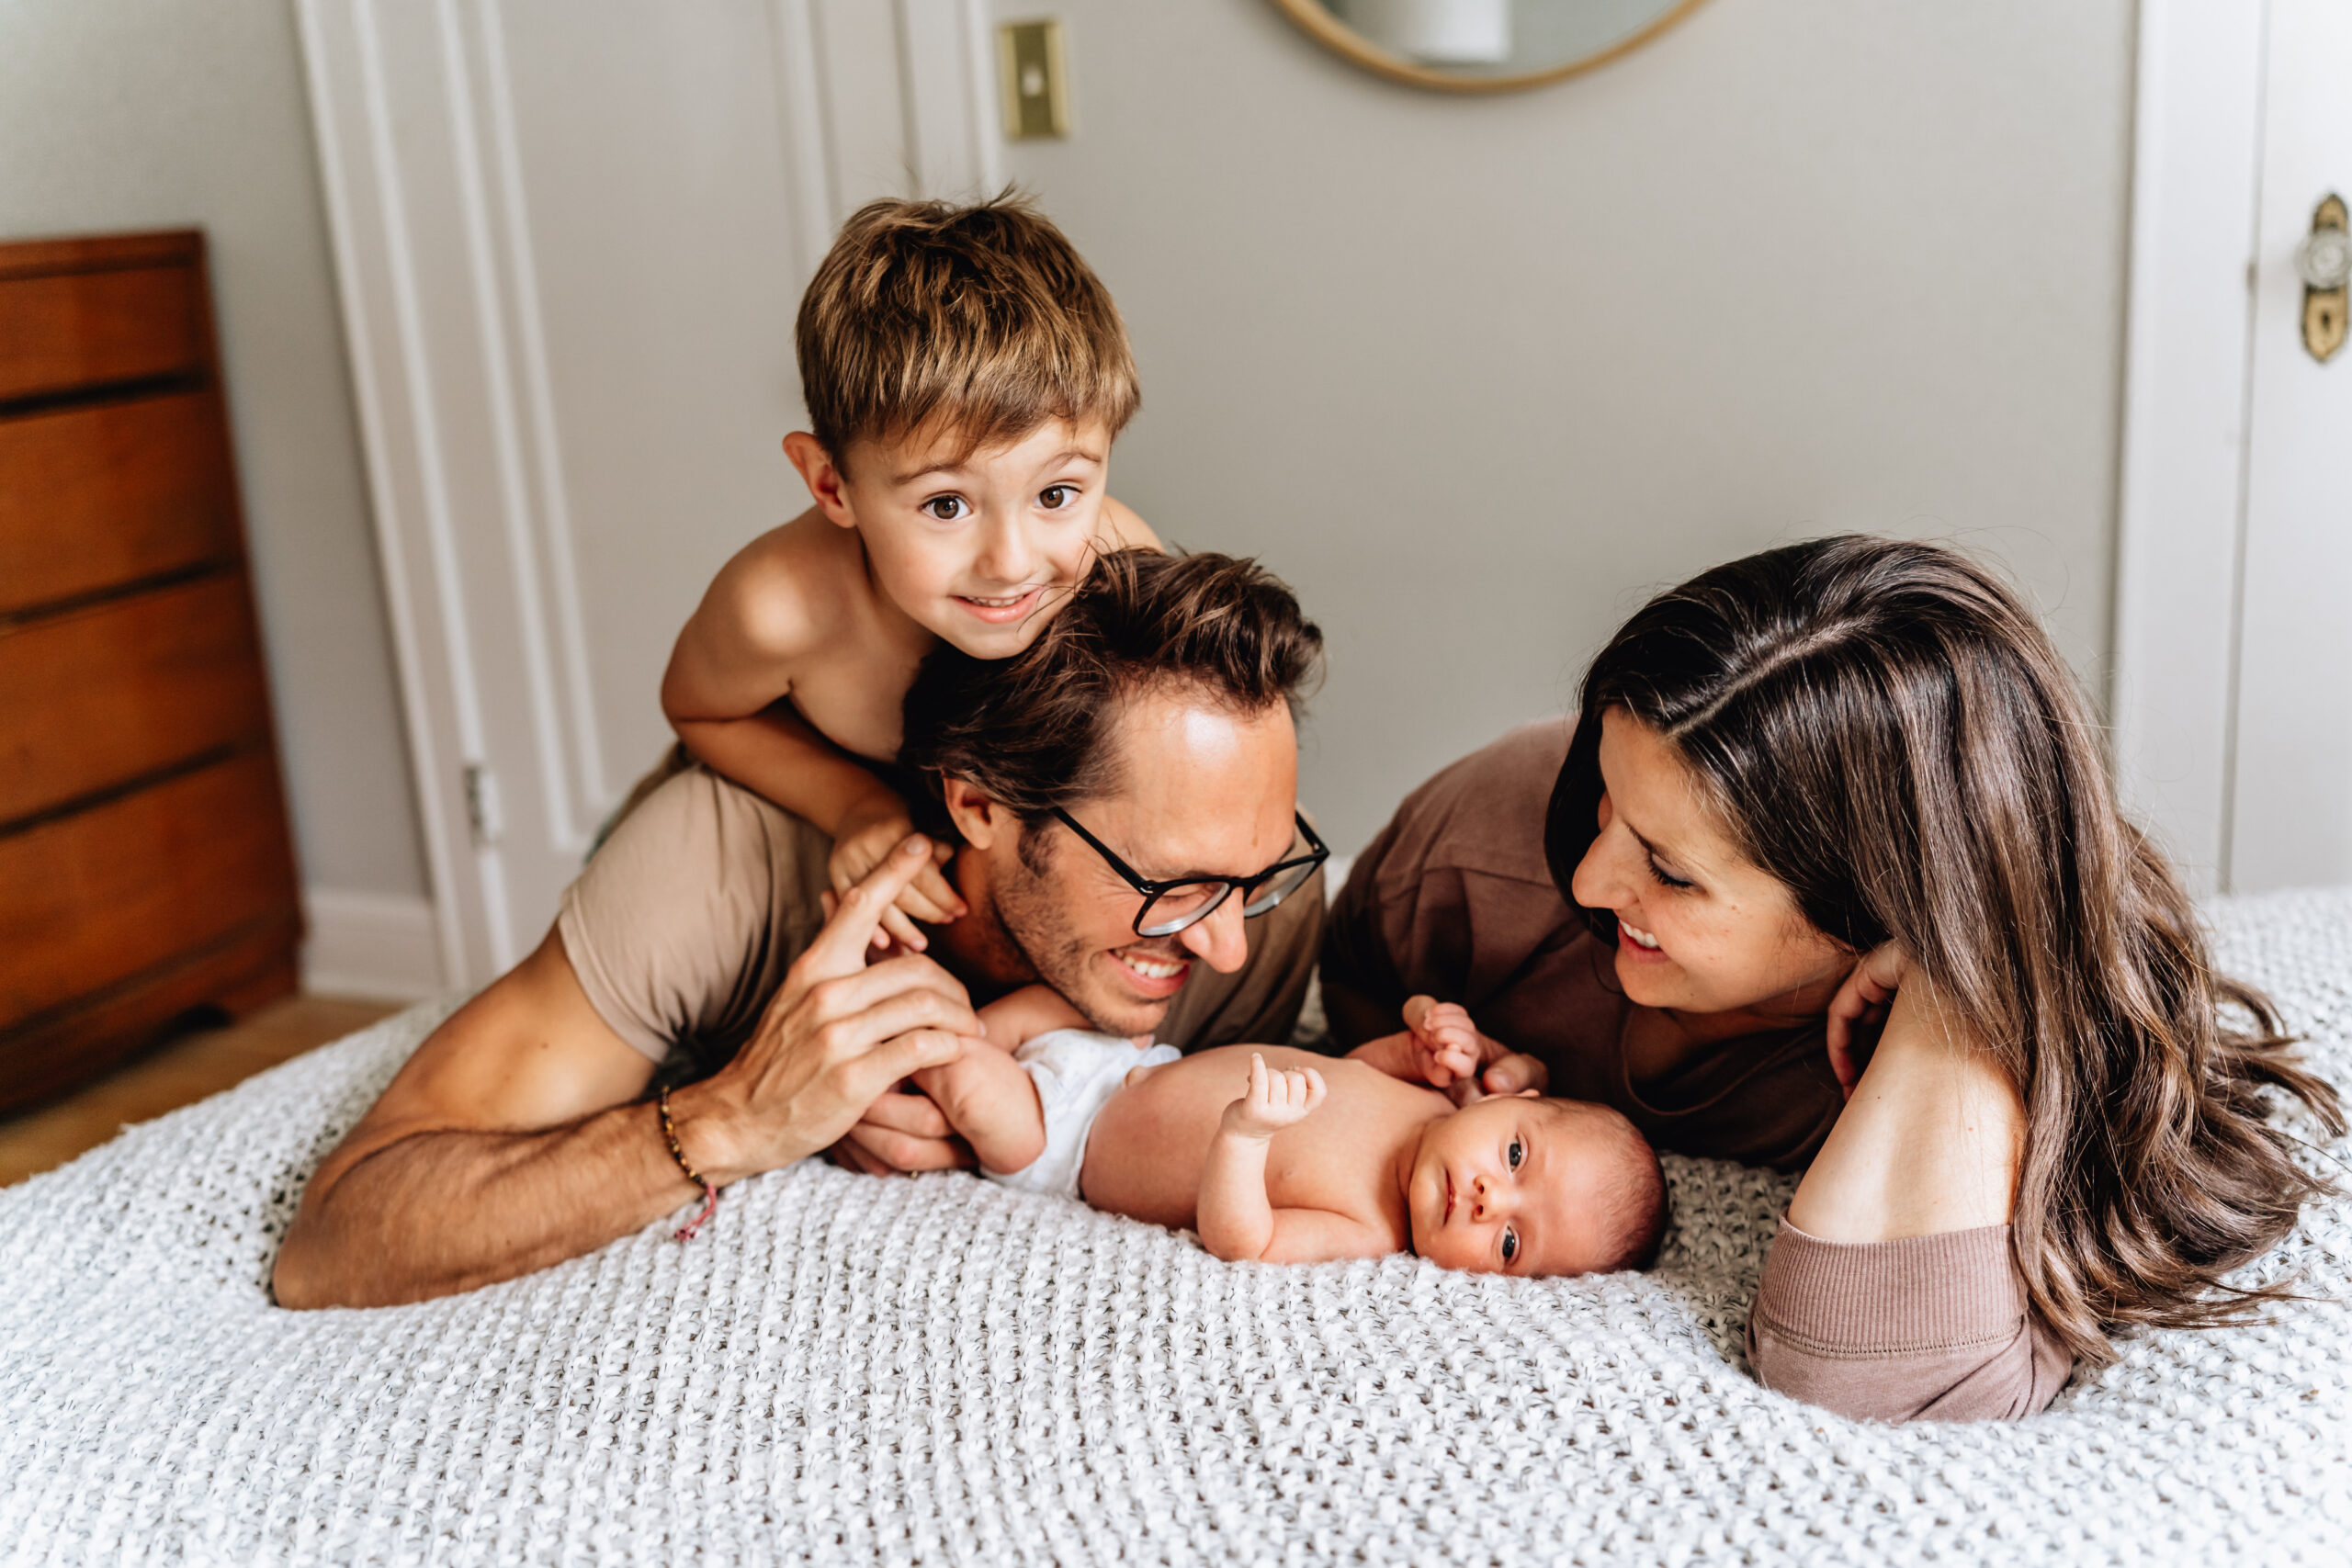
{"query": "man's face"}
(1204, 792)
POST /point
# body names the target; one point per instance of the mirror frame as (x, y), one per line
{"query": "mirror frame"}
(1333, 34)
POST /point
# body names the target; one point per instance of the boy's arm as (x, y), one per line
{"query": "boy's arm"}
(781, 755)
(728, 678)
(724, 694)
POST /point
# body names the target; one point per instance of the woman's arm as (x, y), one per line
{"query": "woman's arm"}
(1931, 1138)
(1890, 1293)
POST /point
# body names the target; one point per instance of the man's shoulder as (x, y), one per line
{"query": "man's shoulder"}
(700, 817)
(685, 917)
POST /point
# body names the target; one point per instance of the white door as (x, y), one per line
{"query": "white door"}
(2233, 700)
(571, 237)
(2292, 802)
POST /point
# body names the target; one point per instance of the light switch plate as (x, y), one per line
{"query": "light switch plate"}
(1036, 95)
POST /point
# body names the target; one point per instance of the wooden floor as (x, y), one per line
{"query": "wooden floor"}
(179, 1073)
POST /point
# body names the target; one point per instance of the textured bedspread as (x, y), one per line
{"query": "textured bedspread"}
(942, 1370)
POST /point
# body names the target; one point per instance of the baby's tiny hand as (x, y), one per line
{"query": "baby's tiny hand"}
(1274, 1099)
(1446, 1042)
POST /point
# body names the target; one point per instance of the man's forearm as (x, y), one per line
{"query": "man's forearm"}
(439, 1211)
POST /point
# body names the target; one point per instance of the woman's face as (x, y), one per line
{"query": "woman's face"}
(1700, 930)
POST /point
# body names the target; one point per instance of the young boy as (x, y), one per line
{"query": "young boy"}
(965, 375)
(1316, 1158)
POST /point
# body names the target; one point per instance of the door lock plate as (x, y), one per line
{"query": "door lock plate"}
(2324, 263)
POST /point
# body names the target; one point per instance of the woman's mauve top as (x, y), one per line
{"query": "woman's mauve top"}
(1453, 900)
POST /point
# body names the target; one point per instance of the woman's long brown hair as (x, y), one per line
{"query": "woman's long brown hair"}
(1888, 731)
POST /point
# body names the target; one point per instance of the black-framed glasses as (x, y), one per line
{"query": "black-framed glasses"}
(1187, 900)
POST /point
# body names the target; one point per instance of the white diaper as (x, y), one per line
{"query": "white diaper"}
(1076, 1071)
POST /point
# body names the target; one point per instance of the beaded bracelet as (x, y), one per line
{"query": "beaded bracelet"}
(710, 1193)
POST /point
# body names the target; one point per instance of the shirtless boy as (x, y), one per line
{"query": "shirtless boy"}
(1281, 1155)
(965, 375)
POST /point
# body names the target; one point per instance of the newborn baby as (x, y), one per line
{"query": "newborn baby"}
(1283, 1156)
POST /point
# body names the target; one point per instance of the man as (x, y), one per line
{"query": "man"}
(1141, 747)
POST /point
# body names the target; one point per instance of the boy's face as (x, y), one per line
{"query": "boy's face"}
(978, 548)
(1506, 1185)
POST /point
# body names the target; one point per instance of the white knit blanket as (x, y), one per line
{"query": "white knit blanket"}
(848, 1369)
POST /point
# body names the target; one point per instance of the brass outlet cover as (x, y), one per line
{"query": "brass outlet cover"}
(1030, 71)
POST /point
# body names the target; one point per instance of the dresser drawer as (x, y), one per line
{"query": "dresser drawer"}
(80, 328)
(63, 1048)
(107, 695)
(91, 497)
(107, 896)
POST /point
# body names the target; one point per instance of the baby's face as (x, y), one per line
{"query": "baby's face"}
(981, 548)
(1504, 1186)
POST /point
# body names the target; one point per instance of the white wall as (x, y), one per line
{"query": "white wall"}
(139, 114)
(1476, 374)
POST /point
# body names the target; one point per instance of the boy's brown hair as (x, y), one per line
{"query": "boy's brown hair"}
(982, 320)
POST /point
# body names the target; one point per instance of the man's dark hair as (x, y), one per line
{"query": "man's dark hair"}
(1029, 730)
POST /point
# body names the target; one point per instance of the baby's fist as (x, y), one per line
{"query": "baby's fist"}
(1446, 1042)
(1274, 1099)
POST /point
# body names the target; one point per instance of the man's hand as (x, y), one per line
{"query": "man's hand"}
(865, 838)
(836, 1037)
(903, 1133)
(1272, 1100)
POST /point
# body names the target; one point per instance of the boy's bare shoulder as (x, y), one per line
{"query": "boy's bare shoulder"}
(790, 590)
(1124, 530)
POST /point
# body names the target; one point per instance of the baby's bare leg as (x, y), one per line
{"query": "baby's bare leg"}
(990, 1100)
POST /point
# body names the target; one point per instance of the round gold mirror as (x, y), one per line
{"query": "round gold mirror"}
(1482, 46)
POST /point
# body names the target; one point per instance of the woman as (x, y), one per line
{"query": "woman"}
(1846, 891)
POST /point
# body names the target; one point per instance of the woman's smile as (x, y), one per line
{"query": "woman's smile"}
(1638, 944)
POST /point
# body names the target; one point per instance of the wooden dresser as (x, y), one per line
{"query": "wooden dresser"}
(146, 872)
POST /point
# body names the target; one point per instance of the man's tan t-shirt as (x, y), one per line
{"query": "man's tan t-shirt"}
(681, 928)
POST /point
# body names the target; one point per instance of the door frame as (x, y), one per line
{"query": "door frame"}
(2181, 516)
(835, 60)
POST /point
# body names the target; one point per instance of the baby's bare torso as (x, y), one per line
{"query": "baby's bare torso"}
(1144, 1155)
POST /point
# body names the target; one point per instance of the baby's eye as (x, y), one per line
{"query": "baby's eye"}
(1053, 497)
(1518, 1153)
(1511, 1247)
(947, 508)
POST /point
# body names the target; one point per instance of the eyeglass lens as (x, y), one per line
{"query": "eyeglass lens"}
(1180, 907)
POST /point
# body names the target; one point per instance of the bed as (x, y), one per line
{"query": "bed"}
(939, 1370)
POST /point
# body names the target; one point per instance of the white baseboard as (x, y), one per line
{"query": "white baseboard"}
(381, 946)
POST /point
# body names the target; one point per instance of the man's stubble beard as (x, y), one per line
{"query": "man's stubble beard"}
(1034, 922)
